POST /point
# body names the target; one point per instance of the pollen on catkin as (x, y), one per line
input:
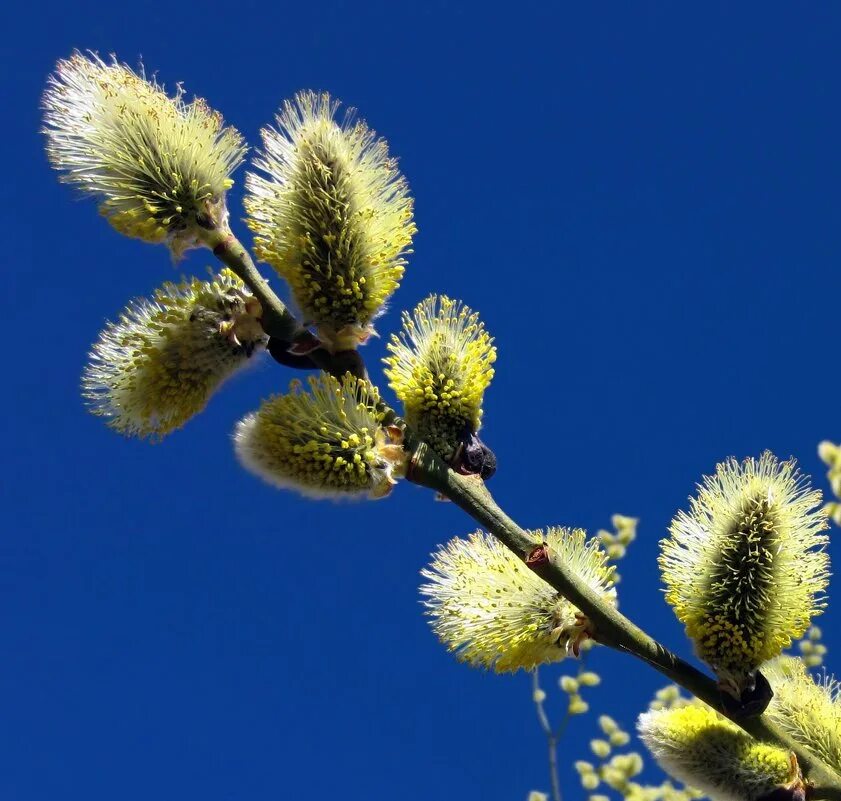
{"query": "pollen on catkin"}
(440, 366)
(159, 364)
(493, 612)
(332, 214)
(156, 163)
(696, 745)
(809, 711)
(745, 568)
(325, 443)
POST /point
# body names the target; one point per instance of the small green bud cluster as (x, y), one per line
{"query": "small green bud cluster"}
(572, 686)
(667, 698)
(830, 454)
(616, 542)
(812, 650)
(616, 770)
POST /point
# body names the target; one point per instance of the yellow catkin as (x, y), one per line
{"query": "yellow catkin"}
(745, 568)
(493, 612)
(698, 746)
(156, 163)
(440, 366)
(159, 364)
(332, 214)
(327, 442)
(808, 710)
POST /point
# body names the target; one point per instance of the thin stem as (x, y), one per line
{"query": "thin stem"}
(537, 697)
(566, 718)
(551, 737)
(609, 626)
(552, 745)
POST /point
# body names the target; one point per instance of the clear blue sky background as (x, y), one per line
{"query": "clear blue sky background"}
(643, 203)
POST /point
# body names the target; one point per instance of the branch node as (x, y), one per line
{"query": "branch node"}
(224, 245)
(538, 556)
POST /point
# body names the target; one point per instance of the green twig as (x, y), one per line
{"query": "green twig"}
(609, 626)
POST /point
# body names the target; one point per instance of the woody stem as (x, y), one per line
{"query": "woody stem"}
(610, 627)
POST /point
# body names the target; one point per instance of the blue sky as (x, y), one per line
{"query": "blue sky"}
(642, 202)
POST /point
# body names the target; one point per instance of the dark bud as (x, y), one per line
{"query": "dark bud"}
(279, 351)
(475, 458)
(305, 342)
(204, 220)
(753, 701)
(347, 361)
(794, 792)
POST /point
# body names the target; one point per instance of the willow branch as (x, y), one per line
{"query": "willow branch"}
(610, 627)
(277, 321)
